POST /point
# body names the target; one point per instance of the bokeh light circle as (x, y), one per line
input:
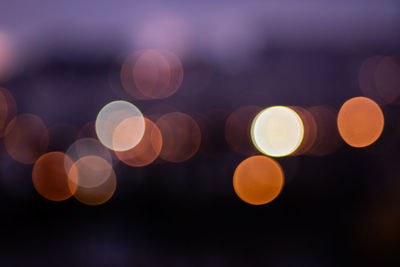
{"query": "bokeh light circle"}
(258, 180)
(94, 180)
(360, 121)
(115, 136)
(309, 128)
(50, 178)
(152, 74)
(87, 147)
(147, 150)
(181, 136)
(277, 131)
(26, 138)
(89, 172)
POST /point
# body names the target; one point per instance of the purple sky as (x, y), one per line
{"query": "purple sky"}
(220, 29)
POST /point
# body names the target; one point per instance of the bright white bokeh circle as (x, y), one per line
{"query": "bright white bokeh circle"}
(109, 130)
(277, 131)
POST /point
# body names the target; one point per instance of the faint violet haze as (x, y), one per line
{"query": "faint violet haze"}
(219, 29)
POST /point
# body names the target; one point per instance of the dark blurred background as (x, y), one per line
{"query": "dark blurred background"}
(335, 210)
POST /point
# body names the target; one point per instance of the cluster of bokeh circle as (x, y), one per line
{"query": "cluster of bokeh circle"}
(122, 133)
(280, 131)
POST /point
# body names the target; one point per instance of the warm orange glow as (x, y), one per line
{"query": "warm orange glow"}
(238, 130)
(147, 150)
(26, 138)
(50, 178)
(94, 180)
(8, 109)
(258, 180)
(181, 136)
(327, 136)
(126, 130)
(360, 122)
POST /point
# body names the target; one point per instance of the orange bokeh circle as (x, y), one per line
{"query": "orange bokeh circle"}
(147, 150)
(93, 179)
(50, 178)
(360, 121)
(258, 180)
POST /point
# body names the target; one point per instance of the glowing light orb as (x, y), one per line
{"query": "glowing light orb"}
(277, 131)
(87, 147)
(147, 150)
(112, 133)
(152, 74)
(50, 178)
(181, 137)
(26, 138)
(360, 121)
(93, 179)
(258, 180)
(89, 172)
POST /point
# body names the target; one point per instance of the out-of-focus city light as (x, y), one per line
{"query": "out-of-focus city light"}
(8, 109)
(50, 178)
(89, 172)
(152, 74)
(87, 147)
(360, 121)
(277, 131)
(310, 130)
(26, 138)
(258, 180)
(379, 79)
(327, 139)
(127, 80)
(181, 136)
(94, 180)
(147, 150)
(120, 125)
(238, 129)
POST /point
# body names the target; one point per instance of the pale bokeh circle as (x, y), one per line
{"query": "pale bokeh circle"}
(277, 131)
(114, 136)
(89, 172)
